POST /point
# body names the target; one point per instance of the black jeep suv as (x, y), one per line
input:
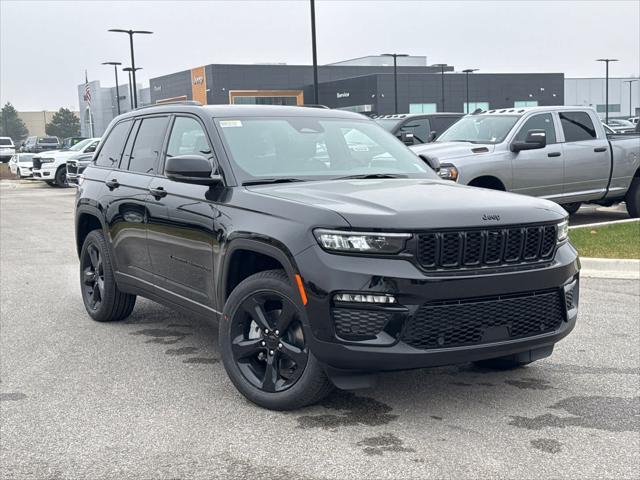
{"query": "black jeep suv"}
(325, 248)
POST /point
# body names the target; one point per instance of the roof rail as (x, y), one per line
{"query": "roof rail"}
(315, 105)
(176, 102)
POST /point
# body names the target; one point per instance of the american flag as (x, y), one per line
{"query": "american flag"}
(87, 90)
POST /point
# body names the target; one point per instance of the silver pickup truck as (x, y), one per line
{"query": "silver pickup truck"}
(558, 153)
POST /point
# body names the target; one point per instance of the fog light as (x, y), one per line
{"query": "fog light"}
(363, 298)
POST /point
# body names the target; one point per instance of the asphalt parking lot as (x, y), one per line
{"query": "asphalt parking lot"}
(148, 398)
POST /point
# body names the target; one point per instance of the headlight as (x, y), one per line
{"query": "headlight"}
(563, 230)
(448, 172)
(340, 241)
(46, 160)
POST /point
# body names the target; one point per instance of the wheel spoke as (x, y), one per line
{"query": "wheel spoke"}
(287, 314)
(95, 296)
(100, 287)
(271, 374)
(245, 348)
(88, 276)
(297, 355)
(256, 310)
(94, 256)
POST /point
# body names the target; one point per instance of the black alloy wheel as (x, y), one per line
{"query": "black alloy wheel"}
(93, 277)
(267, 341)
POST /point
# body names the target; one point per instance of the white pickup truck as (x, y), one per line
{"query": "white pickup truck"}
(558, 153)
(52, 166)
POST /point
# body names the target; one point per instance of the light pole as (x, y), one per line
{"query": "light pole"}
(467, 72)
(606, 87)
(115, 70)
(131, 33)
(130, 70)
(395, 75)
(442, 67)
(630, 90)
(314, 52)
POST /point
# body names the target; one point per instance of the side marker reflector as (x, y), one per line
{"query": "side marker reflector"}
(303, 294)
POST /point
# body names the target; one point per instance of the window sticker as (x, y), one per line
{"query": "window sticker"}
(230, 123)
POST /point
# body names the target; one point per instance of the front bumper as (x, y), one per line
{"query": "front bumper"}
(325, 274)
(44, 173)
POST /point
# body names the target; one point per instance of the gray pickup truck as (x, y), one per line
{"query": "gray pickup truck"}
(558, 153)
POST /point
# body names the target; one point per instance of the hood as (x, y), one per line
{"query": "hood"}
(56, 154)
(414, 204)
(449, 150)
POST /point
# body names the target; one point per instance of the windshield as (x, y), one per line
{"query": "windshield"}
(6, 141)
(80, 145)
(479, 129)
(387, 123)
(307, 148)
(48, 140)
(621, 123)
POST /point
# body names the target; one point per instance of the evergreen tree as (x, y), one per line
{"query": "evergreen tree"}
(64, 124)
(11, 125)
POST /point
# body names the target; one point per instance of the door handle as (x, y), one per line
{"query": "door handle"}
(158, 192)
(600, 149)
(553, 154)
(113, 183)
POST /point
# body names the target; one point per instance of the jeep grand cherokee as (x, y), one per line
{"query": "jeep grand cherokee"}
(325, 248)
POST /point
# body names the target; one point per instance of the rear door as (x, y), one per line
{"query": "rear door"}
(587, 159)
(181, 233)
(538, 172)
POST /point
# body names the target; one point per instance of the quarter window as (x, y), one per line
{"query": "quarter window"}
(577, 126)
(544, 121)
(145, 155)
(111, 151)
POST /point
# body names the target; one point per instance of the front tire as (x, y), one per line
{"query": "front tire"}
(263, 347)
(61, 177)
(633, 198)
(102, 299)
(572, 208)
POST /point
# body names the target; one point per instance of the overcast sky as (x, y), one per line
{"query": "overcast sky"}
(46, 46)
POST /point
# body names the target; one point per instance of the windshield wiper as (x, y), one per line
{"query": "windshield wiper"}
(264, 181)
(374, 175)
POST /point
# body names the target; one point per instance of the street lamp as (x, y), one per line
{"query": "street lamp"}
(115, 70)
(630, 82)
(395, 74)
(467, 72)
(442, 67)
(130, 70)
(606, 94)
(131, 33)
(314, 52)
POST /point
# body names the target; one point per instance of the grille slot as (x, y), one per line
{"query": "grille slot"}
(484, 320)
(349, 321)
(490, 247)
(36, 163)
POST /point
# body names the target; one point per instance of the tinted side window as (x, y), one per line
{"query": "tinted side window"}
(440, 124)
(419, 127)
(188, 138)
(111, 151)
(544, 121)
(145, 155)
(91, 148)
(577, 126)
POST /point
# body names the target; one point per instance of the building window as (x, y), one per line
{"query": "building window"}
(473, 106)
(613, 107)
(525, 103)
(423, 108)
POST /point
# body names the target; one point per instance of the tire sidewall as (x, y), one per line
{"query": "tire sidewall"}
(61, 173)
(101, 314)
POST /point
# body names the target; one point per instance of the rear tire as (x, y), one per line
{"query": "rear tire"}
(102, 298)
(633, 198)
(263, 347)
(572, 208)
(51, 183)
(61, 177)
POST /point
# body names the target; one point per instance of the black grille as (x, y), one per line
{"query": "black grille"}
(72, 168)
(351, 322)
(37, 163)
(491, 247)
(484, 320)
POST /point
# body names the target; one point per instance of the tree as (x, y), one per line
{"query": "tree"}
(11, 125)
(64, 124)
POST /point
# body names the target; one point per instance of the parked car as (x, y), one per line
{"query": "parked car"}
(71, 141)
(557, 153)
(52, 166)
(324, 271)
(416, 128)
(40, 144)
(633, 120)
(620, 125)
(7, 149)
(76, 165)
(21, 165)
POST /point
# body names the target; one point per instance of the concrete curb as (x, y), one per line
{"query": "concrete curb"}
(610, 268)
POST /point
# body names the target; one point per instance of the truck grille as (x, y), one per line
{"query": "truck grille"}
(72, 167)
(37, 163)
(484, 320)
(486, 248)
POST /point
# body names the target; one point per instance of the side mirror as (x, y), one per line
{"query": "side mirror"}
(534, 140)
(406, 138)
(433, 162)
(432, 136)
(190, 169)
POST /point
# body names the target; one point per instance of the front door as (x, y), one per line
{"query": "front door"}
(540, 172)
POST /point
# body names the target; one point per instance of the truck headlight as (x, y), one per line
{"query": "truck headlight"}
(448, 172)
(563, 230)
(360, 242)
